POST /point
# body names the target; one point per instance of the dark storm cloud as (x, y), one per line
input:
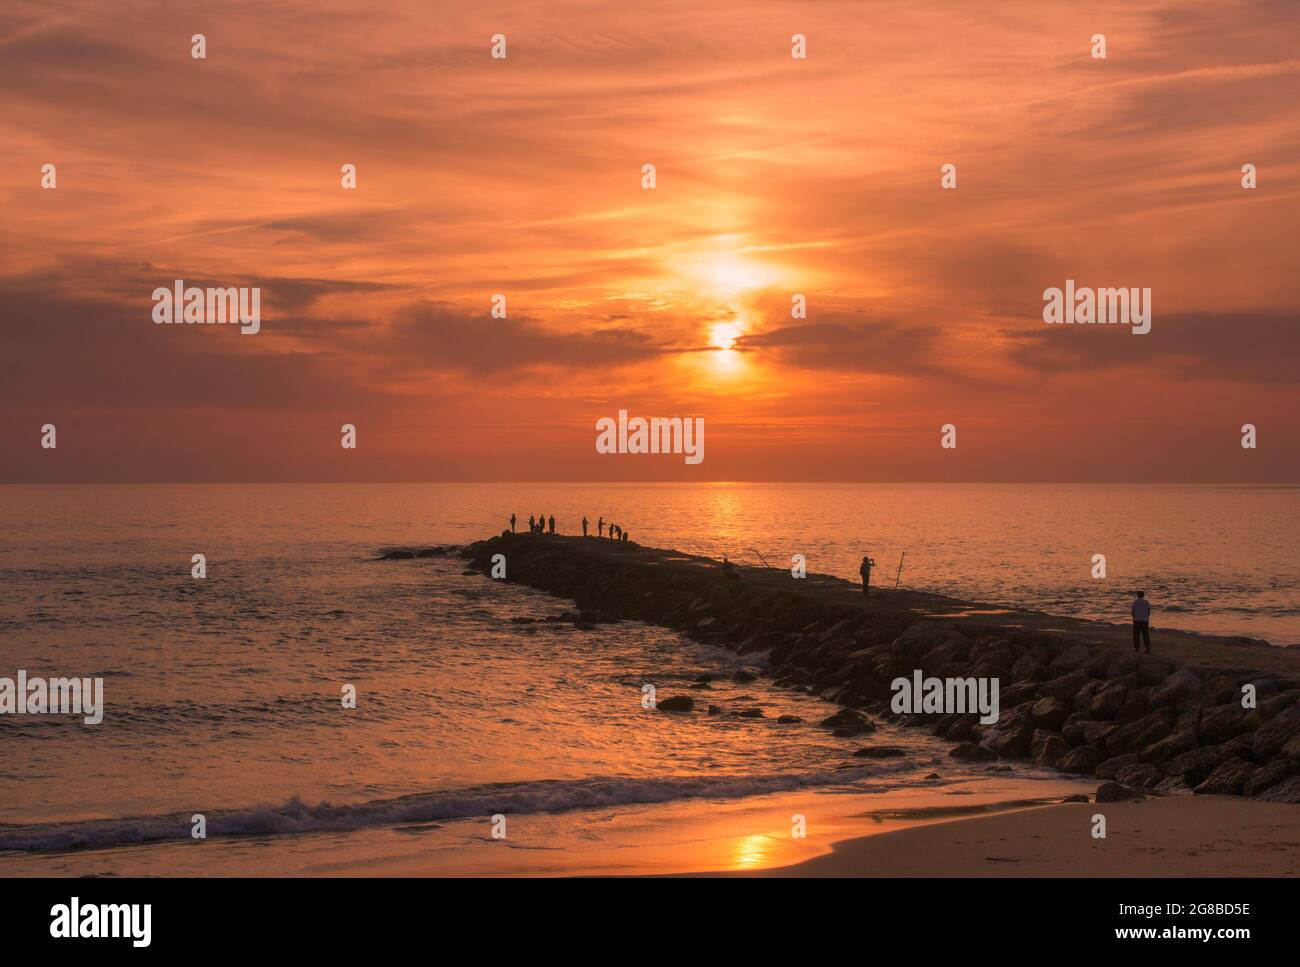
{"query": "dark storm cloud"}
(1245, 347)
(441, 336)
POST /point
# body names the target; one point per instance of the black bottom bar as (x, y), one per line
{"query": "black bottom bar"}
(969, 917)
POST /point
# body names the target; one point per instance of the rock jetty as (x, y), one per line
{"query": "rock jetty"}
(1073, 695)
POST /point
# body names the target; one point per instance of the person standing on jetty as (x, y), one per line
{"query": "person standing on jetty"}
(552, 523)
(532, 524)
(512, 523)
(1141, 621)
(865, 571)
(584, 526)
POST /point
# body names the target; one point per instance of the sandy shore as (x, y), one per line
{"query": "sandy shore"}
(1176, 836)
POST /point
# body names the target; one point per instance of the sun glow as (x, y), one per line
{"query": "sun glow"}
(726, 274)
(724, 335)
(731, 274)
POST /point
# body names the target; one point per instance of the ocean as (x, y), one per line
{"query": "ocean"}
(223, 695)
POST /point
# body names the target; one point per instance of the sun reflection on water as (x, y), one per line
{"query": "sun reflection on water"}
(751, 852)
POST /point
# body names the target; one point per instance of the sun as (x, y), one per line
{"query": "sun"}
(724, 335)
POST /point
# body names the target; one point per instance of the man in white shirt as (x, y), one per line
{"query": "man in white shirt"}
(1142, 621)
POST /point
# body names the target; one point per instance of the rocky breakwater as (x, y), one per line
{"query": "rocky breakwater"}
(1082, 708)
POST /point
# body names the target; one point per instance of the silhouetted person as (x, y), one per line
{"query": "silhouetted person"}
(532, 524)
(600, 527)
(1142, 621)
(584, 527)
(729, 569)
(865, 571)
(512, 523)
(623, 537)
(552, 523)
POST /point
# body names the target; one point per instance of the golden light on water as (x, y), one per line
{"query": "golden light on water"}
(751, 852)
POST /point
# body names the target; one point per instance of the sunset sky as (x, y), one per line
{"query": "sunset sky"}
(774, 176)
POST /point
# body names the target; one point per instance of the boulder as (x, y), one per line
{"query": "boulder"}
(1088, 733)
(1050, 713)
(943, 724)
(1288, 790)
(1219, 723)
(1097, 664)
(1114, 792)
(1153, 672)
(1140, 775)
(1267, 776)
(1047, 748)
(963, 728)
(925, 634)
(677, 703)
(1140, 734)
(1028, 669)
(1084, 695)
(1176, 743)
(1109, 769)
(1176, 687)
(1018, 694)
(1274, 705)
(1106, 702)
(743, 677)
(1010, 741)
(880, 752)
(788, 719)
(1219, 690)
(1125, 663)
(847, 722)
(1227, 779)
(1276, 733)
(1081, 761)
(1195, 767)
(1064, 687)
(969, 751)
(1073, 657)
(1134, 707)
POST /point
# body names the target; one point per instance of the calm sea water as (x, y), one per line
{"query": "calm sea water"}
(223, 695)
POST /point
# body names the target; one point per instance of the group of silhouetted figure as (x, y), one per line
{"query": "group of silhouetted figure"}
(538, 524)
(541, 524)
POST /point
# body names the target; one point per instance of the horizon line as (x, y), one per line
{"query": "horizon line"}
(614, 483)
